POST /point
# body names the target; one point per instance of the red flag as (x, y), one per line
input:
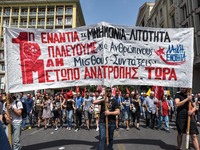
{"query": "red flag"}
(62, 92)
(99, 88)
(77, 89)
(114, 91)
(127, 90)
(83, 93)
(45, 92)
(158, 91)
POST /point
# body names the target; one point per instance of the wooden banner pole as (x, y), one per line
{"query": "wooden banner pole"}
(106, 108)
(188, 123)
(9, 125)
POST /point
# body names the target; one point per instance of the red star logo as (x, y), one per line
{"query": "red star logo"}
(160, 51)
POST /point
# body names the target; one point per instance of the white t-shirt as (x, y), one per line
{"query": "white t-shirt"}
(15, 119)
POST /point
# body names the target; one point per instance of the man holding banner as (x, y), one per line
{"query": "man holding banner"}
(111, 112)
(181, 100)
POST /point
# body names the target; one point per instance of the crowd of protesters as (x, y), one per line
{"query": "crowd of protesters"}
(69, 109)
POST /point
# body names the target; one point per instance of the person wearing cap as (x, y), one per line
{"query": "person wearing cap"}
(68, 106)
(163, 113)
(182, 99)
(151, 109)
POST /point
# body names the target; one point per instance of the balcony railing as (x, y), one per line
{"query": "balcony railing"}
(24, 13)
(15, 13)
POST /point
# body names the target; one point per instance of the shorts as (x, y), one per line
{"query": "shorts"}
(87, 115)
(181, 125)
(38, 114)
(127, 115)
(57, 114)
(96, 114)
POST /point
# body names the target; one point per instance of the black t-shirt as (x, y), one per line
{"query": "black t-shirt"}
(68, 104)
(112, 106)
(137, 105)
(182, 111)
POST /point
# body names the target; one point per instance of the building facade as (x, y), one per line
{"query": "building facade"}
(175, 14)
(43, 14)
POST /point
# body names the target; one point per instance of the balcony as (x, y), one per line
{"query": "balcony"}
(24, 13)
(50, 23)
(59, 13)
(41, 13)
(41, 23)
(32, 23)
(15, 13)
(33, 13)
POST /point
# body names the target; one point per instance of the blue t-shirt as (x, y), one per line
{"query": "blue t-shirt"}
(79, 101)
(127, 104)
(118, 99)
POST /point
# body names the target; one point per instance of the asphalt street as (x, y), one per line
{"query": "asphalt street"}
(143, 139)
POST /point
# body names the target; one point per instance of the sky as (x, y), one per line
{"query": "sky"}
(121, 12)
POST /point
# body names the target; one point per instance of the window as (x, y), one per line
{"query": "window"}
(1, 56)
(152, 24)
(60, 10)
(51, 11)
(41, 11)
(155, 22)
(184, 12)
(161, 13)
(23, 22)
(32, 22)
(24, 12)
(173, 21)
(68, 20)
(59, 21)
(33, 12)
(50, 22)
(41, 22)
(7, 11)
(69, 10)
(15, 22)
(16, 12)
(6, 21)
(2, 67)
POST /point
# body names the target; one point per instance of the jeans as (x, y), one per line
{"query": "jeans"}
(166, 119)
(153, 117)
(198, 115)
(78, 119)
(29, 116)
(4, 144)
(16, 128)
(69, 114)
(102, 135)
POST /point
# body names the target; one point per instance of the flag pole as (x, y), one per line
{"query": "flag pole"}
(106, 108)
(9, 125)
(188, 123)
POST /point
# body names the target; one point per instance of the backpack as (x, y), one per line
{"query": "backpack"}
(24, 110)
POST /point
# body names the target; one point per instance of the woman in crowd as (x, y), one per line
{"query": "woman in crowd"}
(136, 103)
(38, 108)
(46, 110)
(127, 113)
(68, 106)
(57, 111)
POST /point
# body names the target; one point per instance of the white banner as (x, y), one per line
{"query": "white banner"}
(101, 54)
